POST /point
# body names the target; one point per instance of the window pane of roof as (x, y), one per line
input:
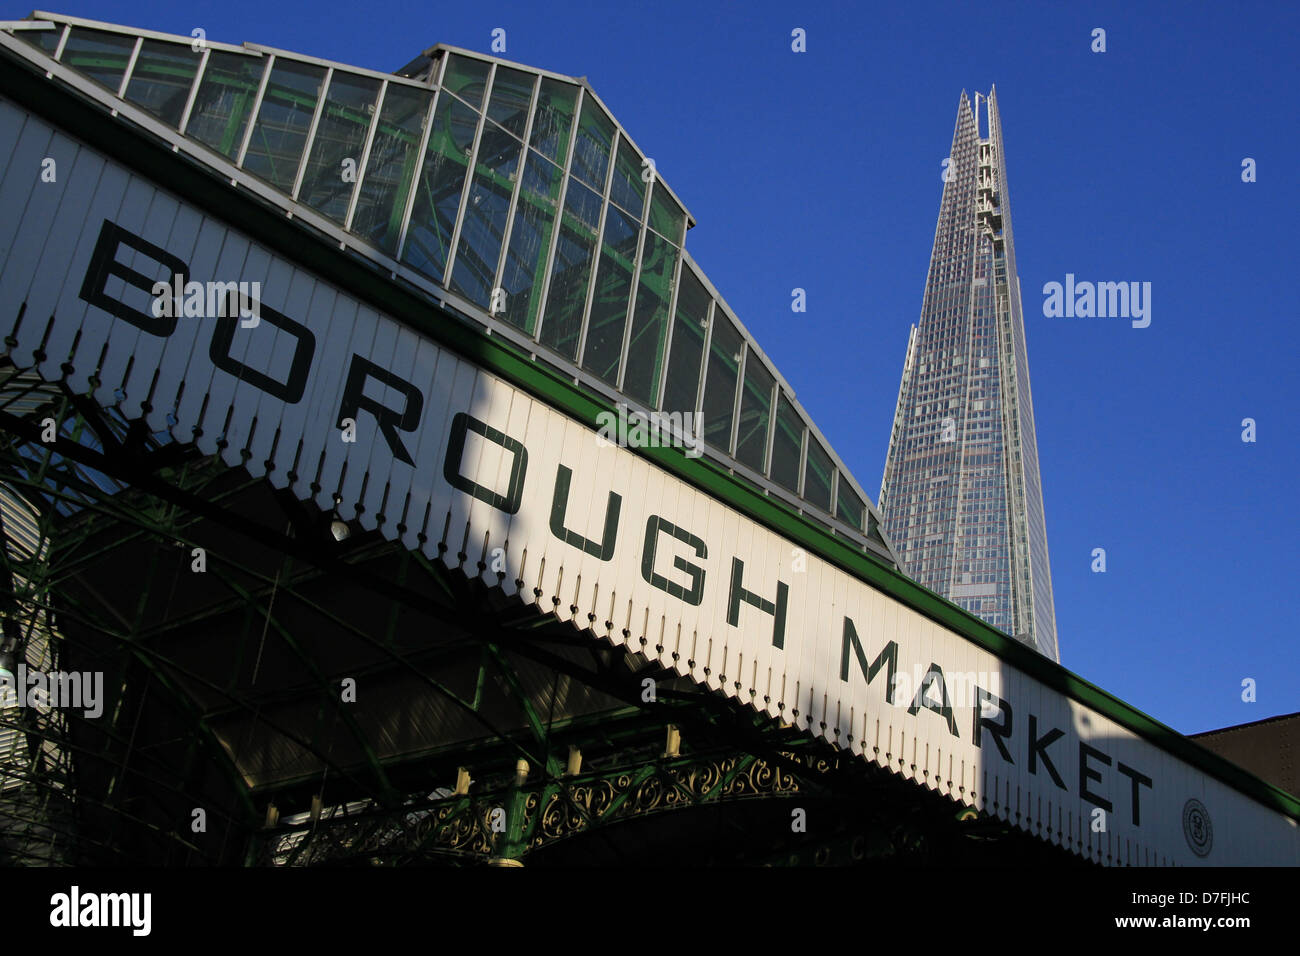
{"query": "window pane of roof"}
(571, 270)
(817, 476)
(390, 170)
(224, 100)
(720, 388)
(666, 217)
(437, 197)
(608, 319)
(530, 241)
(98, 54)
(280, 134)
(848, 506)
(484, 228)
(340, 135)
(595, 139)
(645, 349)
(554, 119)
(161, 80)
(512, 94)
(47, 40)
(755, 412)
(873, 529)
(466, 77)
(627, 189)
(688, 344)
(787, 445)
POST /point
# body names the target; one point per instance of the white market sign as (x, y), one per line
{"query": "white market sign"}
(450, 454)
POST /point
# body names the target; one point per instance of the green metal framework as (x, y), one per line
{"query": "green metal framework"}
(546, 745)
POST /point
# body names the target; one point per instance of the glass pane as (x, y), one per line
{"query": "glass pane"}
(645, 350)
(47, 40)
(605, 326)
(340, 136)
(591, 151)
(161, 80)
(495, 171)
(466, 77)
(390, 170)
(873, 528)
(755, 411)
(442, 177)
(627, 189)
(225, 97)
(512, 95)
(666, 217)
(848, 506)
(554, 119)
(688, 344)
(574, 254)
(787, 445)
(530, 241)
(100, 55)
(720, 386)
(280, 133)
(817, 477)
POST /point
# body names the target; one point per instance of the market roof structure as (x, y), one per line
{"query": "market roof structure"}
(509, 194)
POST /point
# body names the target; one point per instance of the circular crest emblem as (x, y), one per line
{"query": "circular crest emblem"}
(1197, 827)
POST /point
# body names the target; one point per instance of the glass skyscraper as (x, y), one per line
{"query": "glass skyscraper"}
(961, 498)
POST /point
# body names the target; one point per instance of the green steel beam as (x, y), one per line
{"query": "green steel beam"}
(540, 734)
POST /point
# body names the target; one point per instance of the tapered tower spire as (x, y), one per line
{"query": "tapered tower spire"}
(961, 497)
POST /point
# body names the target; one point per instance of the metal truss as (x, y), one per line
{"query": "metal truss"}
(542, 744)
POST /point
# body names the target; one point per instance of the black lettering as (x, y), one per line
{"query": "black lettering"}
(655, 525)
(560, 504)
(223, 337)
(390, 419)
(888, 655)
(739, 594)
(944, 710)
(1038, 750)
(510, 501)
(103, 263)
(1139, 780)
(1087, 773)
(999, 732)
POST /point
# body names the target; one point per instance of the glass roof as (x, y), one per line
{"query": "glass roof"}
(509, 193)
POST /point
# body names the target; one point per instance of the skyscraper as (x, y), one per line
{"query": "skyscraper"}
(961, 497)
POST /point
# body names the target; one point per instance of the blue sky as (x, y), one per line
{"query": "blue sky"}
(821, 170)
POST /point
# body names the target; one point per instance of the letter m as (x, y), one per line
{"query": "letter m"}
(219, 293)
(888, 655)
(1112, 300)
(65, 687)
(116, 909)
